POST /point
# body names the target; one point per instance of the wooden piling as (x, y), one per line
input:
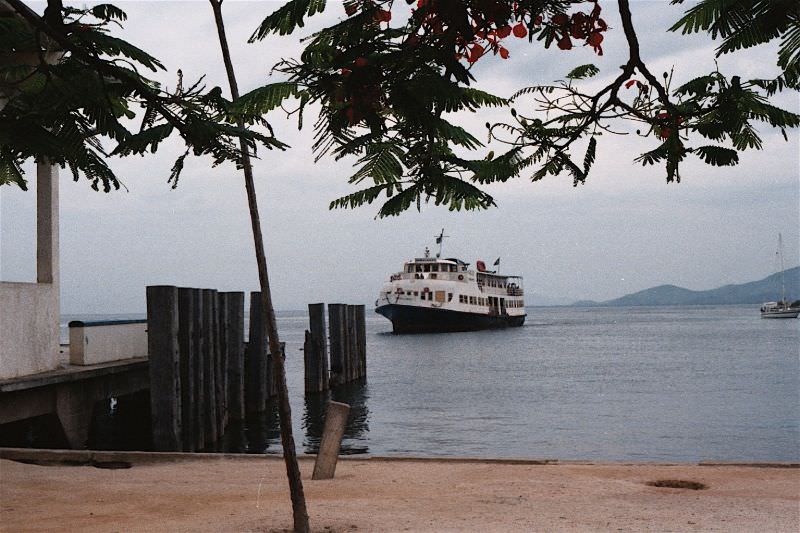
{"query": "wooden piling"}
(257, 378)
(235, 368)
(221, 360)
(209, 366)
(335, 423)
(272, 376)
(337, 324)
(199, 349)
(361, 341)
(351, 369)
(163, 349)
(315, 351)
(187, 372)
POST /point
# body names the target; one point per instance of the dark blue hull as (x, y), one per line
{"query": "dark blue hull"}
(413, 319)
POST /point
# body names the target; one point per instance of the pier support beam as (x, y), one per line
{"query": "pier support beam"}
(74, 407)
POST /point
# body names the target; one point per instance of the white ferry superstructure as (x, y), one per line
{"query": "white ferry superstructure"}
(432, 294)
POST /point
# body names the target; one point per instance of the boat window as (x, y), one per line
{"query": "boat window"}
(430, 296)
(449, 296)
(419, 268)
(426, 268)
(433, 276)
(434, 268)
(416, 293)
(422, 296)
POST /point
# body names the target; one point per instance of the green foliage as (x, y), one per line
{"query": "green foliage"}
(263, 100)
(747, 23)
(75, 108)
(717, 155)
(582, 72)
(389, 93)
(389, 101)
(287, 18)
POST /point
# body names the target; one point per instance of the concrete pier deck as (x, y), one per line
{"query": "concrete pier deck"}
(70, 393)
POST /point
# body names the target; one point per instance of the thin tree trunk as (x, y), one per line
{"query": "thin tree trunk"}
(284, 410)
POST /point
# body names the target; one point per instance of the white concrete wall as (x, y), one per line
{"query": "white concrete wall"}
(29, 312)
(90, 345)
(29, 333)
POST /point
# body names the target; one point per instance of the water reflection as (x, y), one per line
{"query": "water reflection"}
(355, 394)
(260, 433)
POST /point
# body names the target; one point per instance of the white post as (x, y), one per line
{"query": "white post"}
(47, 224)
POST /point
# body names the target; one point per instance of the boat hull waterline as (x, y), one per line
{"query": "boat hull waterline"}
(415, 319)
(785, 313)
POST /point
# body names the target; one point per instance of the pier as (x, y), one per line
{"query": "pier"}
(191, 359)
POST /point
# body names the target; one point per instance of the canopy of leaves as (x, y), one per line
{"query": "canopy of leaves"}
(388, 96)
(69, 91)
(389, 90)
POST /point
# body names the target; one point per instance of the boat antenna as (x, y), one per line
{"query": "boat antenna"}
(439, 239)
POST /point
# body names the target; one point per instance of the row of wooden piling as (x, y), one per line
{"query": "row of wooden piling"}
(202, 375)
(348, 346)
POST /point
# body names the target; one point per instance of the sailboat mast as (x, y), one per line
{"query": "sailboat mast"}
(780, 255)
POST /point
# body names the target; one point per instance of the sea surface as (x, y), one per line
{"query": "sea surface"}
(617, 384)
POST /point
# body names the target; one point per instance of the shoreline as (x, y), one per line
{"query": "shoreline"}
(87, 457)
(146, 491)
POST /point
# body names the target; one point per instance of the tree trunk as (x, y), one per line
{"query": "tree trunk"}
(284, 410)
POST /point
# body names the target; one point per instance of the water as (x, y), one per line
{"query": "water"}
(623, 384)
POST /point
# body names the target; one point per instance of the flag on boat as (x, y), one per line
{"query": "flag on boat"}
(497, 263)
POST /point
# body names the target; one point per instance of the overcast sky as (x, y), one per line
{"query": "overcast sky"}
(625, 230)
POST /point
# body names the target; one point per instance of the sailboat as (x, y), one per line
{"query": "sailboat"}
(782, 308)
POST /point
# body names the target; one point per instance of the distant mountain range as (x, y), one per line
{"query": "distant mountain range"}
(755, 292)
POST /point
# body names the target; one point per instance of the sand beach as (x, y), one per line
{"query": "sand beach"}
(181, 492)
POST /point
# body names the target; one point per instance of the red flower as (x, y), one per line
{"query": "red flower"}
(577, 31)
(504, 32)
(350, 9)
(361, 62)
(561, 19)
(503, 53)
(520, 30)
(383, 15)
(595, 39)
(475, 53)
(629, 83)
(565, 43)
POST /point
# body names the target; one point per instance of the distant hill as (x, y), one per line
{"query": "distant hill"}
(755, 292)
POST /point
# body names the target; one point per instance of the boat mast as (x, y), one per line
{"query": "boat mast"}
(780, 256)
(439, 240)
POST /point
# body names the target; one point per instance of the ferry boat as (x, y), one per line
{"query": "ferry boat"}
(432, 295)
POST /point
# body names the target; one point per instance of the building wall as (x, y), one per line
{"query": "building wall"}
(30, 312)
(29, 334)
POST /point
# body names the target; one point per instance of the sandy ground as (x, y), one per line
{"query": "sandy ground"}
(376, 495)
